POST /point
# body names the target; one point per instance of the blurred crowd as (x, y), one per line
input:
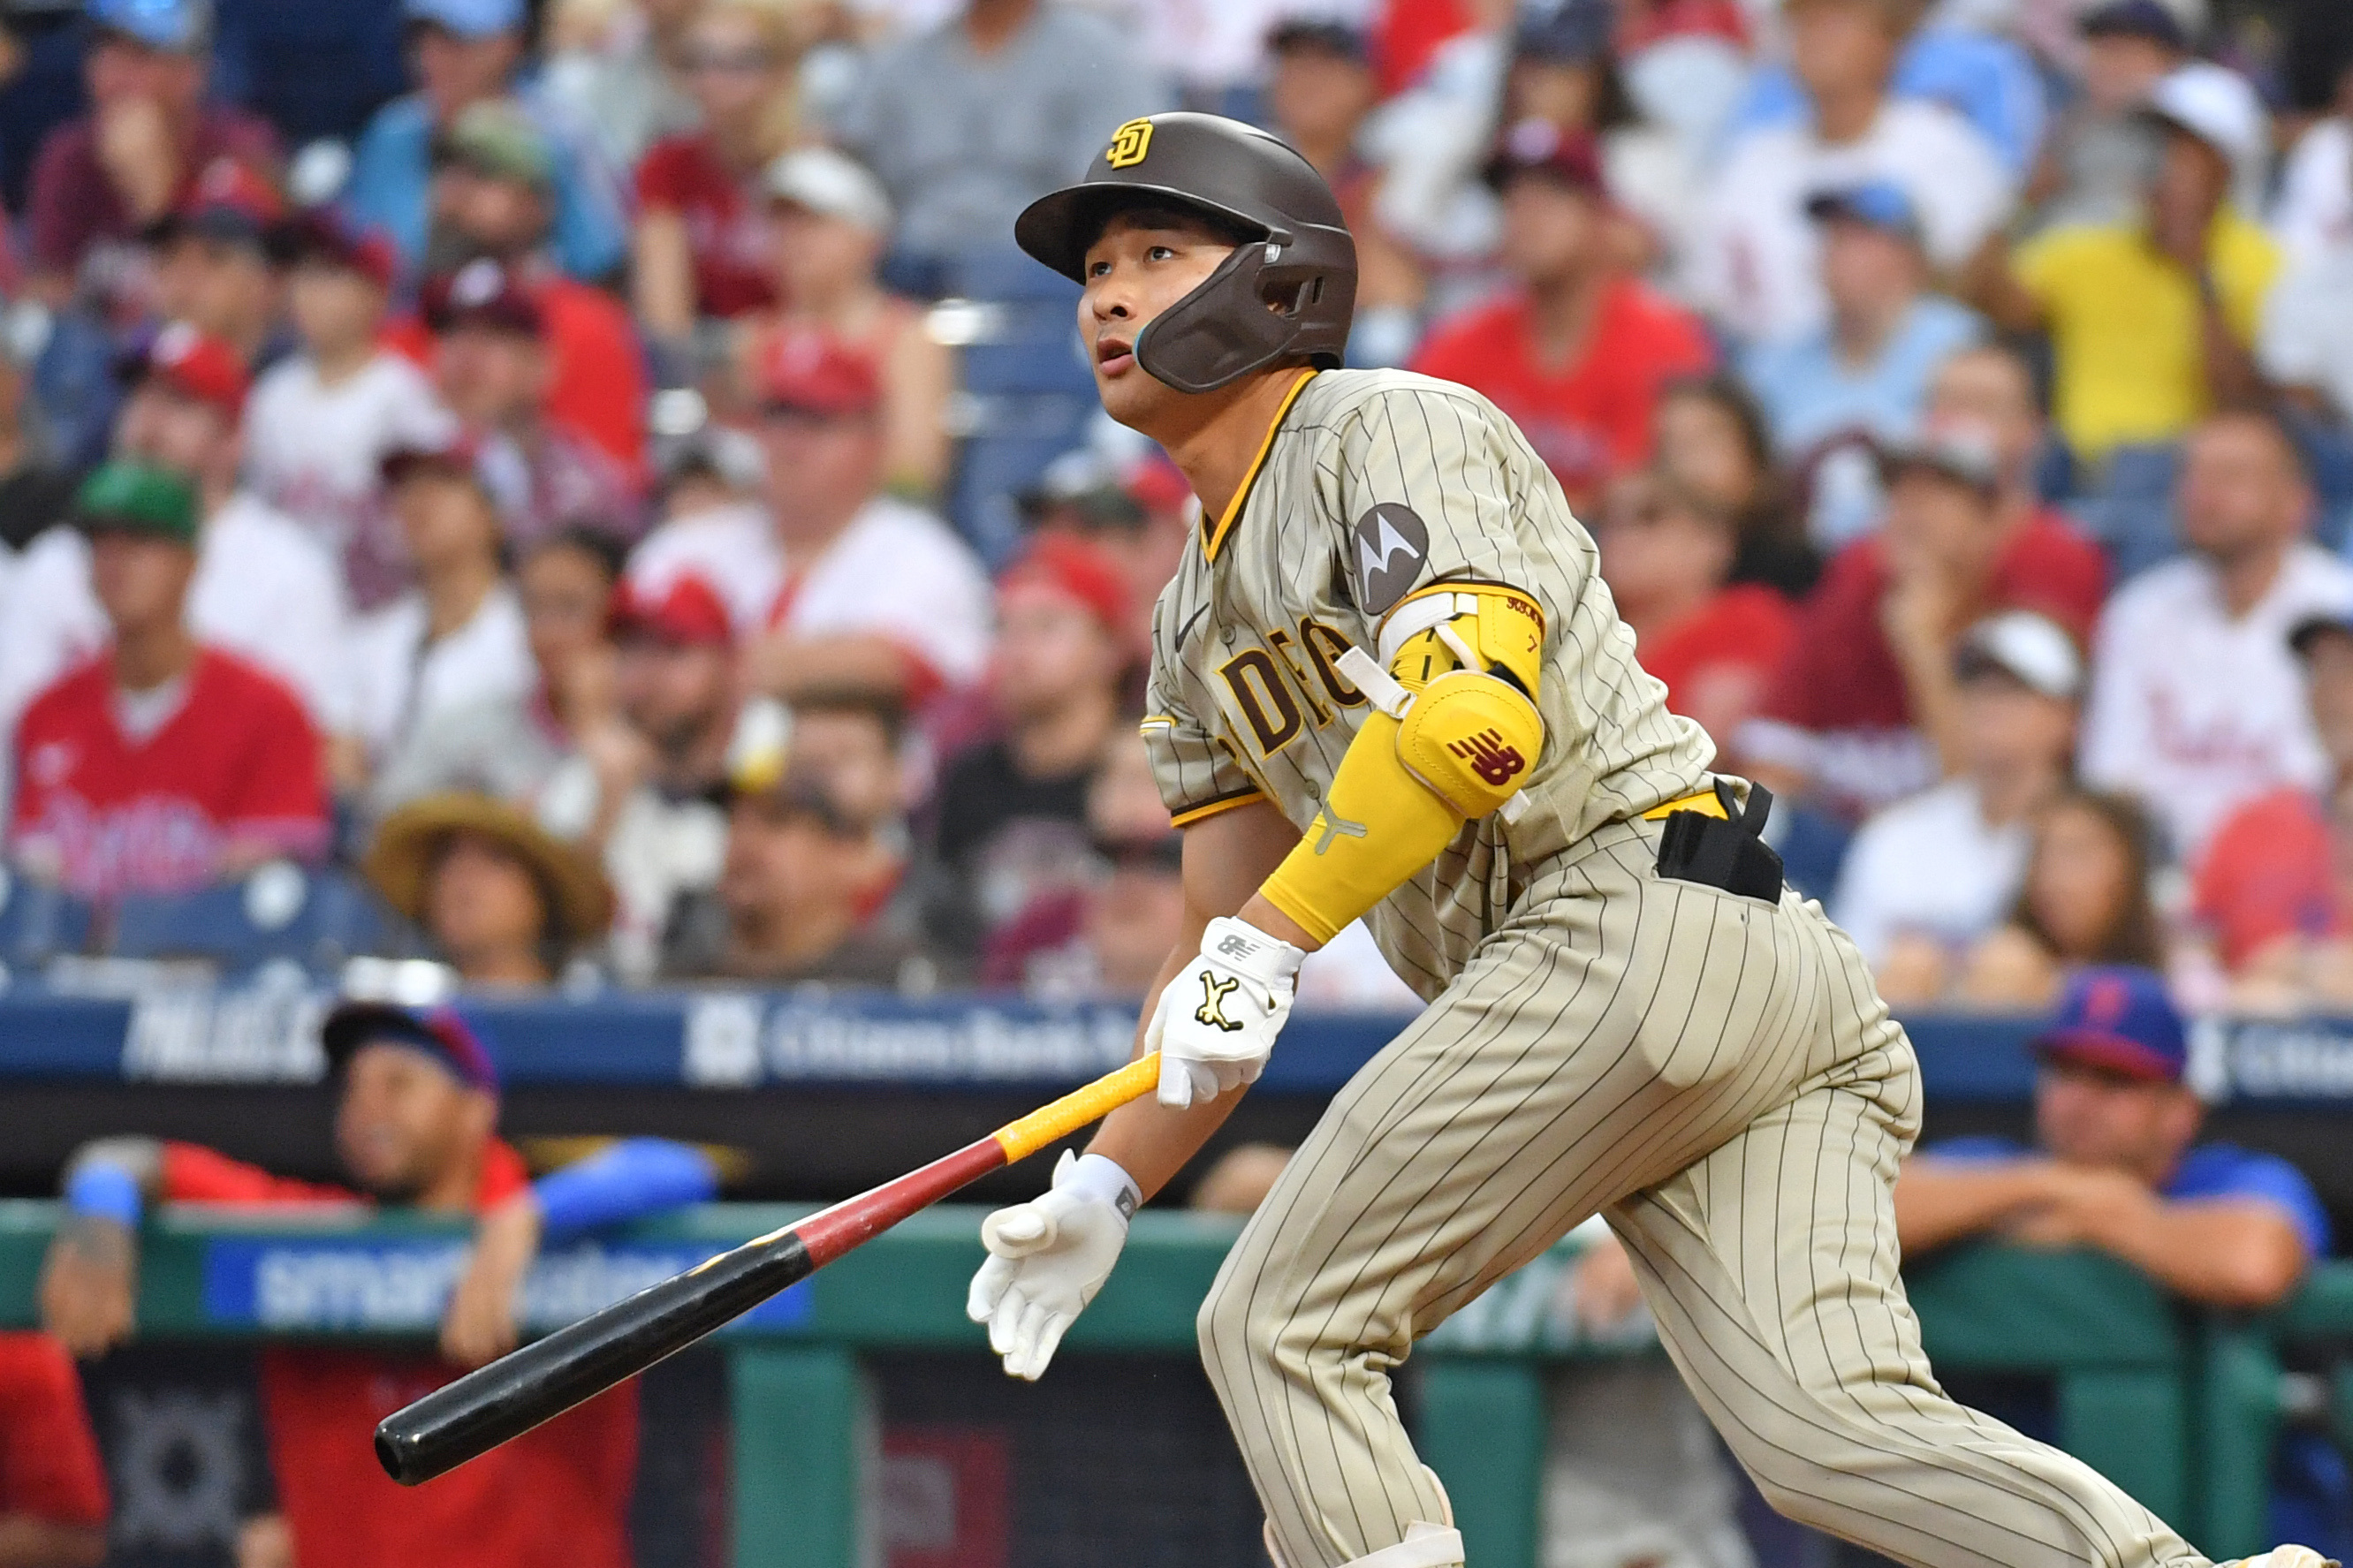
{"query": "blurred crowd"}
(565, 498)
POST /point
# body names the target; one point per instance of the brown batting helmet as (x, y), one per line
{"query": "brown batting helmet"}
(1287, 294)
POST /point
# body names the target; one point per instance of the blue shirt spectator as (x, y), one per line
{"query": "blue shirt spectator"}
(1991, 82)
(467, 51)
(1866, 371)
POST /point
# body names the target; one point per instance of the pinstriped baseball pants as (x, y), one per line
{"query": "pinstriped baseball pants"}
(1715, 1075)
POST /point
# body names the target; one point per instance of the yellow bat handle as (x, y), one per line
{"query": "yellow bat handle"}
(1053, 1122)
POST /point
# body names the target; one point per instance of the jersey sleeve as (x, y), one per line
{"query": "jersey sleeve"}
(195, 1174)
(1198, 774)
(1422, 486)
(50, 1466)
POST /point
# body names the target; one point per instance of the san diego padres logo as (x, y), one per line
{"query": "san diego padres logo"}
(1129, 144)
(1212, 1010)
(1492, 759)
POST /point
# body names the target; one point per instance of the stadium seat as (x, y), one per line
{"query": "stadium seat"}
(280, 912)
(38, 923)
(2131, 513)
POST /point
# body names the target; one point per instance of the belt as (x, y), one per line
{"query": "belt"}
(1706, 801)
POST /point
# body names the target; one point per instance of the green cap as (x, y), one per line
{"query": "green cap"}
(138, 497)
(499, 140)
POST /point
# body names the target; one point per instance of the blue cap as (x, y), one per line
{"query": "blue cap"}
(181, 26)
(2118, 1018)
(466, 19)
(1881, 203)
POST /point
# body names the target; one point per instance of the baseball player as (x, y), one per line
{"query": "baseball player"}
(1388, 682)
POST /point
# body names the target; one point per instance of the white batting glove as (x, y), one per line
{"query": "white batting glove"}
(1047, 1258)
(1216, 1022)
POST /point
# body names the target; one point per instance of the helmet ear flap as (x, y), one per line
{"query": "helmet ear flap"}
(1290, 296)
(1220, 331)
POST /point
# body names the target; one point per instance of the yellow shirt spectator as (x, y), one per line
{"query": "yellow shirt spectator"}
(2124, 323)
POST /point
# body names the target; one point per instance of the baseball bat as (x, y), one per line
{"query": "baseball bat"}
(487, 1406)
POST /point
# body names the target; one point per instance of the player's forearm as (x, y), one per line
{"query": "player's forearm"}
(2224, 1254)
(1939, 1202)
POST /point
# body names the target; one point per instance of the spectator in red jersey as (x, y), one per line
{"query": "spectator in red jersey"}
(2274, 889)
(215, 260)
(701, 241)
(493, 198)
(1667, 555)
(415, 1128)
(52, 1486)
(1990, 388)
(503, 901)
(264, 588)
(879, 595)
(323, 419)
(831, 221)
(1863, 713)
(164, 763)
(494, 360)
(1577, 353)
(1012, 812)
(1319, 94)
(104, 176)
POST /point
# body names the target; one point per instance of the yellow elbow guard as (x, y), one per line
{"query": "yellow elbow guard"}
(1454, 736)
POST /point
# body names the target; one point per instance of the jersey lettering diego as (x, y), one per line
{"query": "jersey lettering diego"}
(1371, 485)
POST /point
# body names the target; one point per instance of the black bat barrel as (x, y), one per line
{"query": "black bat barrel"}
(545, 1379)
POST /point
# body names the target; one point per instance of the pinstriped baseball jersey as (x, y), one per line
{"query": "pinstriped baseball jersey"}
(1373, 484)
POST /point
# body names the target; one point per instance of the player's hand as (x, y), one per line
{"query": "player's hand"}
(1216, 1022)
(481, 1325)
(1047, 1258)
(89, 1285)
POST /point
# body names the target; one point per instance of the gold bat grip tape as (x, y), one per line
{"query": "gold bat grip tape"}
(1080, 1108)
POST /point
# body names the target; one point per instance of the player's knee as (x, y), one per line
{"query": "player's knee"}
(1241, 1326)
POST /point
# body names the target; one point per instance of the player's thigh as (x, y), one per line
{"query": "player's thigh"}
(1783, 1239)
(1600, 1042)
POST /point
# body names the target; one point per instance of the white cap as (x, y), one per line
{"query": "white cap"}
(2034, 649)
(830, 184)
(2217, 106)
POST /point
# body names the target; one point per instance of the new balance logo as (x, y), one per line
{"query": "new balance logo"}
(1492, 759)
(1212, 1010)
(1237, 947)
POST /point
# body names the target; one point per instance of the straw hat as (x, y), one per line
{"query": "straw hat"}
(400, 861)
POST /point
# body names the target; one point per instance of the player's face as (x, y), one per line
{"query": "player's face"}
(138, 579)
(403, 1120)
(2007, 724)
(1139, 266)
(482, 903)
(2087, 1117)
(566, 595)
(332, 306)
(2239, 490)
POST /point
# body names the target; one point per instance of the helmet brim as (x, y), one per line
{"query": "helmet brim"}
(1058, 227)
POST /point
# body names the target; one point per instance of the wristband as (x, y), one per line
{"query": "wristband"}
(1099, 1176)
(106, 1192)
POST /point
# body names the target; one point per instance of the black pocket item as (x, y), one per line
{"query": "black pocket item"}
(1725, 851)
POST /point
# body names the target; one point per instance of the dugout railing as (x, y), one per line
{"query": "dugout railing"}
(2178, 1406)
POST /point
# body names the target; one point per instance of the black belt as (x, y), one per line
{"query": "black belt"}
(1713, 840)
